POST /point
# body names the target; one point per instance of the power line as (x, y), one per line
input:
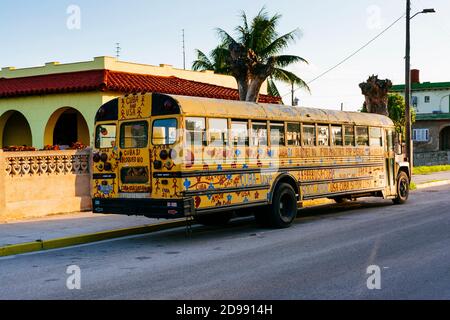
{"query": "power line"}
(352, 55)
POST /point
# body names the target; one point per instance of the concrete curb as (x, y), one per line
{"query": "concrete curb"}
(432, 184)
(86, 238)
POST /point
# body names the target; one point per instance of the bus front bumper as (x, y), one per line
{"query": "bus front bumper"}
(150, 208)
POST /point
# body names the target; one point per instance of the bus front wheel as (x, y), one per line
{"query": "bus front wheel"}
(283, 210)
(402, 188)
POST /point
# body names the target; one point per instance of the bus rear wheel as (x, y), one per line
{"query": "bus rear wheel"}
(216, 219)
(402, 188)
(283, 210)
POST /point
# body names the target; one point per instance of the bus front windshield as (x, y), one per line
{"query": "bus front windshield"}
(164, 131)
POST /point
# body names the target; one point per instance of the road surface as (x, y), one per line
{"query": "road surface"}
(325, 255)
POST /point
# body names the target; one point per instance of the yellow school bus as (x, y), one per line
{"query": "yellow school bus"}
(167, 156)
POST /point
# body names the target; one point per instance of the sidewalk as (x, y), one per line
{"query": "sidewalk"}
(76, 224)
(433, 177)
(66, 226)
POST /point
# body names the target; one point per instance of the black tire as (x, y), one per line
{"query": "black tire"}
(402, 188)
(216, 219)
(283, 210)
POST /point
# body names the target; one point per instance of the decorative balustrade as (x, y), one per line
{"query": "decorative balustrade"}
(38, 163)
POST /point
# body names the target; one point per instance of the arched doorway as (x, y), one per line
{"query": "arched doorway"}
(15, 130)
(445, 139)
(66, 126)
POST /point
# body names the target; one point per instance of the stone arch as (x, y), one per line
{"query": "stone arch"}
(65, 126)
(15, 130)
(444, 139)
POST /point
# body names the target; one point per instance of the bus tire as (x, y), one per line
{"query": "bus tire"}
(215, 219)
(283, 210)
(402, 188)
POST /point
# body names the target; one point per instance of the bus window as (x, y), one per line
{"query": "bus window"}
(390, 140)
(362, 136)
(134, 135)
(105, 136)
(164, 132)
(239, 133)
(376, 139)
(323, 135)
(293, 134)
(218, 132)
(259, 134)
(195, 131)
(349, 135)
(309, 135)
(277, 134)
(336, 132)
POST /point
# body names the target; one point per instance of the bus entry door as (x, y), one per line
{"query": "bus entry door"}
(134, 167)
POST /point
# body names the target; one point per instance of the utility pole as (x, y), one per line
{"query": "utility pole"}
(409, 143)
(342, 106)
(184, 52)
(409, 151)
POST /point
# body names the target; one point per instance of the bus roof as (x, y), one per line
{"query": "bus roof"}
(194, 106)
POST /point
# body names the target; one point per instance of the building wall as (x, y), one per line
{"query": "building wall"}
(41, 112)
(35, 184)
(439, 101)
(435, 127)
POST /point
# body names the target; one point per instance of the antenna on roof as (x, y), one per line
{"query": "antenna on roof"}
(184, 51)
(118, 49)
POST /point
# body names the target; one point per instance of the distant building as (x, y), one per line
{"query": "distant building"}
(57, 103)
(431, 132)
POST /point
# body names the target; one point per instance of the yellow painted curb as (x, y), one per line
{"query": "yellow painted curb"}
(86, 238)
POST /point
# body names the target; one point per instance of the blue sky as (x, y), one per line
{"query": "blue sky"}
(35, 32)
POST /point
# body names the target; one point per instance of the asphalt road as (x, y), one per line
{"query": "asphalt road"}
(325, 255)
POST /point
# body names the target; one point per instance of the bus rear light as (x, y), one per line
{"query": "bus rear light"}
(96, 158)
(108, 166)
(104, 157)
(173, 154)
(164, 155)
(157, 165)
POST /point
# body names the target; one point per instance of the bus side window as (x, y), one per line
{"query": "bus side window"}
(390, 140)
(218, 132)
(349, 134)
(323, 135)
(239, 133)
(259, 134)
(195, 131)
(293, 134)
(376, 137)
(277, 134)
(362, 136)
(336, 132)
(309, 135)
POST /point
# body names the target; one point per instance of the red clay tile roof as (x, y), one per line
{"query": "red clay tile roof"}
(106, 80)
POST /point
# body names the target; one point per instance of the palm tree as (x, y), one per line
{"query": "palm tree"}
(254, 56)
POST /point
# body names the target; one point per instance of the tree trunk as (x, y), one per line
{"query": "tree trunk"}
(253, 89)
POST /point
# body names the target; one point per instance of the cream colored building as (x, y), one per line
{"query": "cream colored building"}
(56, 103)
